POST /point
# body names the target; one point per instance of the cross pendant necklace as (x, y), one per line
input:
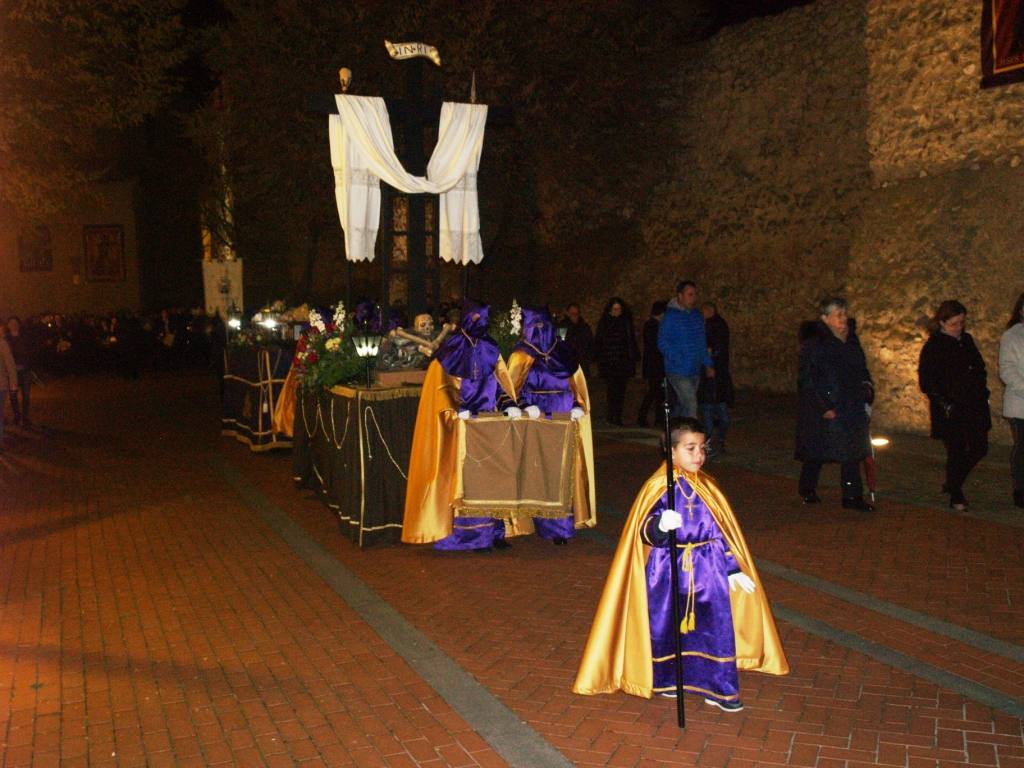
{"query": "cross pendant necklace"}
(688, 500)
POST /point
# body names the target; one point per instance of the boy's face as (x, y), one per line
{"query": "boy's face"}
(689, 452)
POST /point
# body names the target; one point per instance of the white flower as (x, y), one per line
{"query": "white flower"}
(317, 322)
(515, 316)
(333, 345)
(339, 315)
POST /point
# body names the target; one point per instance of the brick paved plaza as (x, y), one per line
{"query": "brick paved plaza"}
(170, 599)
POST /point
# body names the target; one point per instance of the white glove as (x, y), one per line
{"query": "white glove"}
(533, 411)
(742, 581)
(576, 413)
(513, 413)
(670, 521)
(464, 415)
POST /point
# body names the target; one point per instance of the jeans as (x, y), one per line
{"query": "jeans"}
(716, 421)
(1017, 453)
(849, 476)
(964, 449)
(685, 388)
(616, 398)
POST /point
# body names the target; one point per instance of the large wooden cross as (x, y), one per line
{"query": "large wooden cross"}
(412, 115)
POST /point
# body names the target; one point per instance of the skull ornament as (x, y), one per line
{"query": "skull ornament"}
(424, 325)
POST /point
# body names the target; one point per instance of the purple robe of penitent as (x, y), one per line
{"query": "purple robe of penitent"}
(471, 355)
(547, 386)
(705, 563)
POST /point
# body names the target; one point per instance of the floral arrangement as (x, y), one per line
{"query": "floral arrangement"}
(324, 355)
(507, 328)
(255, 336)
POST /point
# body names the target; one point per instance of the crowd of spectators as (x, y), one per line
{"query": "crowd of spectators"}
(125, 343)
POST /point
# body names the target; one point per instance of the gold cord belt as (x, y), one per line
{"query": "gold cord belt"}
(689, 620)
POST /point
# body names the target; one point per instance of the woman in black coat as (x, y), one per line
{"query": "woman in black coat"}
(952, 374)
(833, 386)
(616, 354)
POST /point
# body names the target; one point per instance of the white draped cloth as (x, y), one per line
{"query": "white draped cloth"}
(363, 153)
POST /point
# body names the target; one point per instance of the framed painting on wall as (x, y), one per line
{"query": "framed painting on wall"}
(104, 253)
(35, 250)
(1002, 42)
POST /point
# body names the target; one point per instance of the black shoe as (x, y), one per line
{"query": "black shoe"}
(726, 706)
(858, 503)
(957, 501)
(811, 498)
(560, 541)
(501, 544)
(1018, 499)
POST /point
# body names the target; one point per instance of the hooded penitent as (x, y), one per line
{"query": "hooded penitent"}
(547, 384)
(466, 374)
(471, 355)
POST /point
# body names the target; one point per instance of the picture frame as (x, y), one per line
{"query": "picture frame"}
(103, 252)
(35, 249)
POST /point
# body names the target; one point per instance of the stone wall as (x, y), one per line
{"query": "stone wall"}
(842, 146)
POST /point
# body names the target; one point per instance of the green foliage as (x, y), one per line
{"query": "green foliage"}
(324, 359)
(506, 329)
(75, 78)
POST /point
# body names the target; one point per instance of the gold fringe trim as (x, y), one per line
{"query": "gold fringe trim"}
(375, 394)
(256, 447)
(461, 509)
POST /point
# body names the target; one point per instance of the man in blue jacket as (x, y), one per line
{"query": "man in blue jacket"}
(683, 344)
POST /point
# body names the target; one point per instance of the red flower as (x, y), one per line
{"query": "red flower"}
(301, 346)
(311, 357)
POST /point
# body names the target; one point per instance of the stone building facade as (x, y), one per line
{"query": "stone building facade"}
(840, 147)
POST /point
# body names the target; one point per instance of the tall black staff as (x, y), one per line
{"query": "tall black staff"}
(670, 499)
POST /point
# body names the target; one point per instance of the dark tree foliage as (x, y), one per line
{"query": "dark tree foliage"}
(76, 77)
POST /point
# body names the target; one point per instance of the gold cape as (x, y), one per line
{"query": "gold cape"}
(584, 497)
(434, 455)
(283, 420)
(618, 651)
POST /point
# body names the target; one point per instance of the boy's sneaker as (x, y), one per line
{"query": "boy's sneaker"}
(668, 694)
(726, 706)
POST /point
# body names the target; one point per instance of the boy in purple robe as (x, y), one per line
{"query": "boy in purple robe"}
(707, 572)
(726, 622)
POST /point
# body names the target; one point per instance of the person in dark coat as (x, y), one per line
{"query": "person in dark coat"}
(715, 394)
(616, 354)
(578, 336)
(23, 351)
(652, 366)
(952, 374)
(833, 388)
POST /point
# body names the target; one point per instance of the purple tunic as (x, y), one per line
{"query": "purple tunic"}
(547, 386)
(709, 648)
(472, 355)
